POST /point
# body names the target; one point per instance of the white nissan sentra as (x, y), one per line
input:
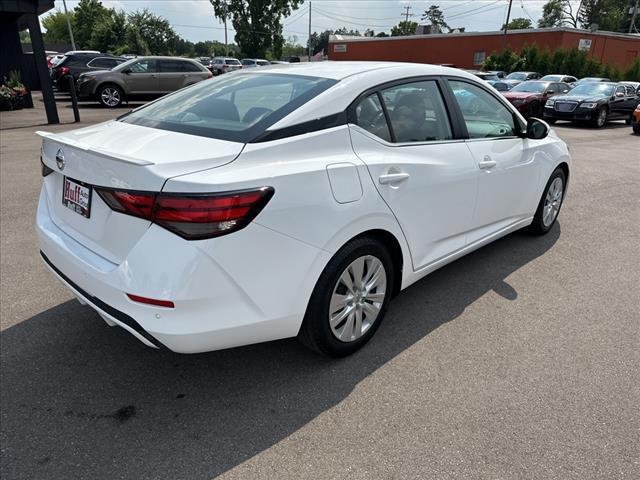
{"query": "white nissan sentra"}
(289, 201)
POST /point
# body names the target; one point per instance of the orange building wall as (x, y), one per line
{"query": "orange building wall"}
(459, 49)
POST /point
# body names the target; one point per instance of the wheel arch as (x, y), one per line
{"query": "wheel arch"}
(394, 248)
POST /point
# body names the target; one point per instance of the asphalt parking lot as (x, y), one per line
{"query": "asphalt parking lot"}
(521, 360)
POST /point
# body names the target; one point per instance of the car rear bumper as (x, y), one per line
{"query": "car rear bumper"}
(226, 292)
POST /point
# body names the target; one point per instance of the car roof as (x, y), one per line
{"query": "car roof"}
(338, 70)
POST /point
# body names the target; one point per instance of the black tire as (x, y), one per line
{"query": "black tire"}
(600, 119)
(110, 91)
(538, 226)
(629, 119)
(533, 110)
(316, 332)
(636, 128)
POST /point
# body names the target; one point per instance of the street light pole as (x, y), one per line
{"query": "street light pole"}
(66, 15)
(506, 25)
(309, 41)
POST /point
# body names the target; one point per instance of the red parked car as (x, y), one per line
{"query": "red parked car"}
(529, 97)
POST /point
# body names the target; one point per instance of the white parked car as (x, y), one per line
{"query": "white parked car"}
(278, 203)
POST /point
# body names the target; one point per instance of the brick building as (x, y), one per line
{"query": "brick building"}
(469, 49)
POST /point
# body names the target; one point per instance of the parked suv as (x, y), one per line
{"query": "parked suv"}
(225, 64)
(254, 62)
(515, 78)
(140, 77)
(594, 102)
(73, 64)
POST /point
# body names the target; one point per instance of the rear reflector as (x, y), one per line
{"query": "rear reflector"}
(191, 216)
(45, 170)
(151, 301)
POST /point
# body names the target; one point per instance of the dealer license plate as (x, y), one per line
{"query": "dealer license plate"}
(77, 197)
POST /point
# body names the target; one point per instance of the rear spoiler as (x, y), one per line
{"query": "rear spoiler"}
(88, 148)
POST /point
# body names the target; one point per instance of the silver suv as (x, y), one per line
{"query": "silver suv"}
(140, 77)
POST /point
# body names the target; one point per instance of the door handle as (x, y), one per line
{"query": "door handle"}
(487, 162)
(392, 178)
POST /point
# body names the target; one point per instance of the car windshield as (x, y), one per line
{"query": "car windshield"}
(517, 76)
(603, 89)
(530, 87)
(552, 78)
(235, 107)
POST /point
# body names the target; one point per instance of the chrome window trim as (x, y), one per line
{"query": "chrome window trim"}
(401, 144)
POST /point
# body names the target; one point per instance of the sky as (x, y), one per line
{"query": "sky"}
(194, 19)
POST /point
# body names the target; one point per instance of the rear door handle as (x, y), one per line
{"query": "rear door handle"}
(392, 178)
(487, 162)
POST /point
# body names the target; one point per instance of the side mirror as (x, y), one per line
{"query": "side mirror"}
(126, 71)
(619, 94)
(550, 92)
(537, 129)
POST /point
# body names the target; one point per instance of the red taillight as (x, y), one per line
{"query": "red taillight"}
(151, 301)
(138, 204)
(64, 70)
(192, 216)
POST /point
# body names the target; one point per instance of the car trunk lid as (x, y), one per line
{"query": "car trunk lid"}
(124, 157)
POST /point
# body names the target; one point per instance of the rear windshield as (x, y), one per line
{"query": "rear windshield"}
(234, 107)
(232, 61)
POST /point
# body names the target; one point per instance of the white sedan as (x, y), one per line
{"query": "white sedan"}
(281, 202)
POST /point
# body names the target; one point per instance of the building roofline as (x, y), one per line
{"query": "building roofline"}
(348, 38)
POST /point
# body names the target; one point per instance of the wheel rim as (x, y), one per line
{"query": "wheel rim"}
(602, 117)
(552, 201)
(357, 298)
(110, 97)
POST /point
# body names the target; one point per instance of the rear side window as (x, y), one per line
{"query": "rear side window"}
(176, 66)
(417, 112)
(484, 115)
(232, 61)
(234, 108)
(102, 63)
(371, 117)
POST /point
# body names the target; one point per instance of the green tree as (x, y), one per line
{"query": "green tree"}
(89, 14)
(55, 25)
(436, 17)
(149, 34)
(257, 23)
(109, 34)
(404, 28)
(607, 14)
(291, 48)
(320, 41)
(558, 13)
(518, 24)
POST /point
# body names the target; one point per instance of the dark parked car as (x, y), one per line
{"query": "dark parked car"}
(206, 61)
(77, 63)
(594, 102)
(515, 78)
(498, 73)
(499, 85)
(225, 64)
(142, 77)
(529, 97)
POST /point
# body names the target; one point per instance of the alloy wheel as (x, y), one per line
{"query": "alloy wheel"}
(552, 201)
(357, 298)
(110, 97)
(602, 117)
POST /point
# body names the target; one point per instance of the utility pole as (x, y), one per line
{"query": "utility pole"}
(309, 41)
(506, 25)
(406, 13)
(66, 15)
(632, 25)
(226, 48)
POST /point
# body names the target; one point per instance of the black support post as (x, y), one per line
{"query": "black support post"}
(41, 66)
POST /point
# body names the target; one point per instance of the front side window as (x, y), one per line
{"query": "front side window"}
(417, 112)
(235, 108)
(484, 115)
(371, 117)
(143, 66)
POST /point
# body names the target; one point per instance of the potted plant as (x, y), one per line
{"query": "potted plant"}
(13, 94)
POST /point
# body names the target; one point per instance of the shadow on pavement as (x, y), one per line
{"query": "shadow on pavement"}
(81, 400)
